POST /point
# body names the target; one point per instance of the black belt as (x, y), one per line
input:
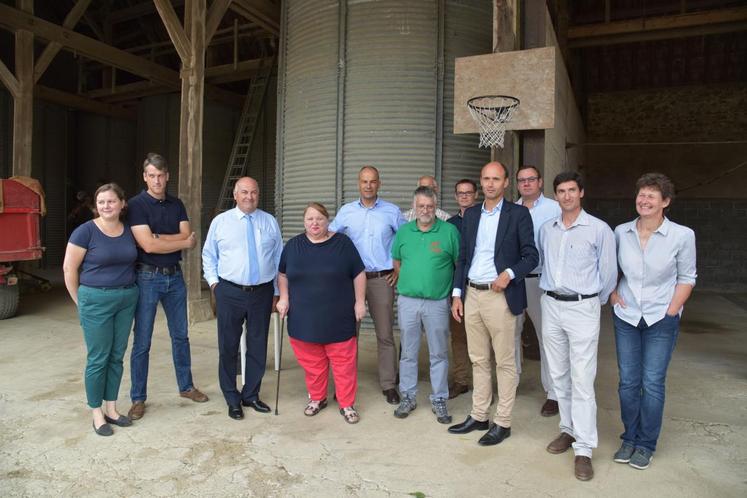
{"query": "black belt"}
(533, 275)
(570, 297)
(163, 270)
(478, 286)
(246, 288)
(377, 274)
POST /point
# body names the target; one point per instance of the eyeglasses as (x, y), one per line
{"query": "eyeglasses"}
(425, 208)
(464, 194)
(529, 179)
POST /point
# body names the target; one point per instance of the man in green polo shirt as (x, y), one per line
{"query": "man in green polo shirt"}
(424, 251)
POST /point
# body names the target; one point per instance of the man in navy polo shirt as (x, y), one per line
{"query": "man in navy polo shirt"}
(161, 228)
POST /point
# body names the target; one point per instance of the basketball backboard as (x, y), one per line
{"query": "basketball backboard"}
(528, 75)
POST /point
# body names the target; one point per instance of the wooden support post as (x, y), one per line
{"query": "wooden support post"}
(23, 102)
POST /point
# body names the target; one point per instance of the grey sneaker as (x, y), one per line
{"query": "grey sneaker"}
(641, 459)
(406, 405)
(439, 408)
(624, 453)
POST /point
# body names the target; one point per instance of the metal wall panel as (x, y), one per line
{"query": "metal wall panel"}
(390, 94)
(468, 27)
(308, 109)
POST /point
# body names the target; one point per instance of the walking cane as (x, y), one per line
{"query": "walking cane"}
(280, 365)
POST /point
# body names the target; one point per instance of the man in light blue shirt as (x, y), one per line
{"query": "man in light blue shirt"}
(240, 260)
(371, 224)
(541, 209)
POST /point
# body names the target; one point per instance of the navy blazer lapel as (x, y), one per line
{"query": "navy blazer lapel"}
(503, 222)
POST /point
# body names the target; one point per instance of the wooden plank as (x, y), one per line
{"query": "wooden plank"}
(83, 104)
(174, 29)
(23, 103)
(9, 80)
(646, 24)
(214, 17)
(15, 19)
(263, 13)
(72, 18)
(243, 70)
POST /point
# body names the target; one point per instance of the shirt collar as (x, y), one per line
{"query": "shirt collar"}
(376, 203)
(153, 200)
(662, 229)
(434, 228)
(495, 210)
(581, 219)
(238, 213)
(539, 200)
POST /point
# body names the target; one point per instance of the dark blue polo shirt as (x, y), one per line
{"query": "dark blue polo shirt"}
(163, 217)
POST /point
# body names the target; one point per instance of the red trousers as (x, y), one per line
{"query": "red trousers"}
(315, 359)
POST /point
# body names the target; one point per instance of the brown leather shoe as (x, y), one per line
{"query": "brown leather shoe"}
(561, 443)
(584, 470)
(137, 410)
(456, 389)
(195, 395)
(550, 408)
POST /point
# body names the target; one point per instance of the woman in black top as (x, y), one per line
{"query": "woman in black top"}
(322, 286)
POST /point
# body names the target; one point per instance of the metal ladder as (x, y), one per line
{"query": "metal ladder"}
(245, 133)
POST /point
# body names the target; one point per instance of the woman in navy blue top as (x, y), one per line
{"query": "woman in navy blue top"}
(99, 272)
(322, 286)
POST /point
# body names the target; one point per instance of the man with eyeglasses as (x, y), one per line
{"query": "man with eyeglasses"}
(465, 192)
(542, 209)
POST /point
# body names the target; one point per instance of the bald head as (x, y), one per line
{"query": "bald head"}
(428, 181)
(246, 194)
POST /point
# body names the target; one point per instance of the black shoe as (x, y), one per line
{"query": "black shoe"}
(495, 435)
(258, 405)
(235, 412)
(122, 421)
(103, 430)
(469, 425)
(391, 395)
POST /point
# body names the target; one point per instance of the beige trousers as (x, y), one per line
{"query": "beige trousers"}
(491, 325)
(380, 299)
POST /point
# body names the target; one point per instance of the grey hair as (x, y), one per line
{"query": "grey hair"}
(427, 192)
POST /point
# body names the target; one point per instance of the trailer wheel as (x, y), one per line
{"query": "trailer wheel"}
(8, 301)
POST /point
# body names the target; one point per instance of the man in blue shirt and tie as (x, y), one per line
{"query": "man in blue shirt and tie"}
(240, 260)
(371, 223)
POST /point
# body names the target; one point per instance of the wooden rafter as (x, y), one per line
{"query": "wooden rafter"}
(136, 12)
(214, 16)
(9, 80)
(263, 13)
(81, 103)
(72, 18)
(174, 29)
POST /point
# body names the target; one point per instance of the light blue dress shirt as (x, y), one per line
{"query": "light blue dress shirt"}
(226, 250)
(371, 230)
(543, 210)
(482, 270)
(580, 259)
(649, 276)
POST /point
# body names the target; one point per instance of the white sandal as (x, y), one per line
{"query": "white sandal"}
(350, 415)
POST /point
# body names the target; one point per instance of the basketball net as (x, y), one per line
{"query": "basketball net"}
(492, 113)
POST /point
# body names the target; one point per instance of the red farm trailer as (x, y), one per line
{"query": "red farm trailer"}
(21, 209)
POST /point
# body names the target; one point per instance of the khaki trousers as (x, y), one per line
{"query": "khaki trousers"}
(380, 299)
(491, 325)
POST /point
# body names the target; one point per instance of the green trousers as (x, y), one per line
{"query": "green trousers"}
(106, 317)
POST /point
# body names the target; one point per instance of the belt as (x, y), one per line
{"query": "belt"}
(533, 275)
(118, 287)
(246, 288)
(163, 270)
(477, 286)
(377, 274)
(570, 297)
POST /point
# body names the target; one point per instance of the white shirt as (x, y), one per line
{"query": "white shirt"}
(226, 251)
(580, 259)
(542, 211)
(440, 214)
(650, 275)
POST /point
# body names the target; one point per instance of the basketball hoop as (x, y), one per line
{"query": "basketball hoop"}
(492, 113)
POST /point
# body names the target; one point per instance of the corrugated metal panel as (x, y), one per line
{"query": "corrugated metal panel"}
(309, 109)
(468, 32)
(390, 94)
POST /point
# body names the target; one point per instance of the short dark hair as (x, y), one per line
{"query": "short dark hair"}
(466, 180)
(656, 181)
(157, 161)
(528, 166)
(568, 176)
(427, 192)
(118, 191)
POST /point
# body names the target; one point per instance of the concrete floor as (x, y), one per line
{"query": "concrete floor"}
(47, 446)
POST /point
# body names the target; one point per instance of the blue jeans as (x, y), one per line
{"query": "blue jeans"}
(415, 314)
(643, 355)
(171, 292)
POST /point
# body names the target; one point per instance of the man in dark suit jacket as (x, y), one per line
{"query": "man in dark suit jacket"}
(497, 251)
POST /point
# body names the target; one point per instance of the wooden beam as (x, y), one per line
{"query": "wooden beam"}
(136, 11)
(243, 70)
(23, 103)
(736, 16)
(15, 19)
(83, 104)
(97, 30)
(214, 16)
(174, 28)
(9, 80)
(263, 13)
(72, 18)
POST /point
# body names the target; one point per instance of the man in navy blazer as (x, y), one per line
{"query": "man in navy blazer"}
(497, 251)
